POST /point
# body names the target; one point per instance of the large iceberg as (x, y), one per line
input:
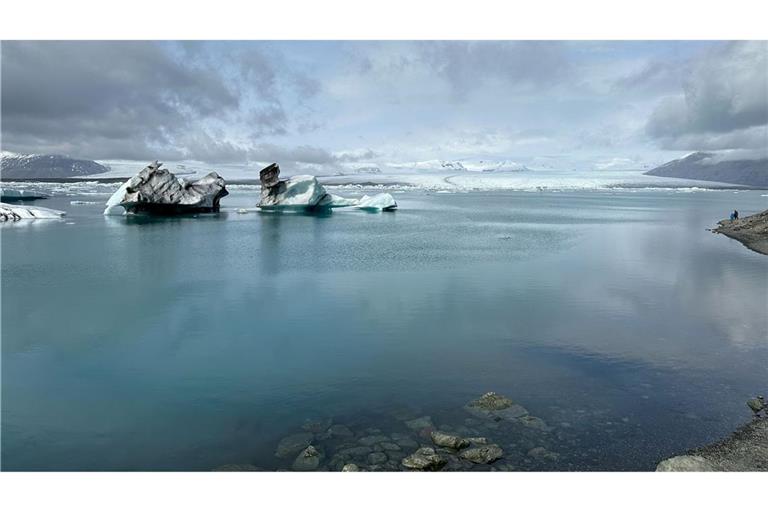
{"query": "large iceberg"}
(156, 190)
(9, 212)
(305, 192)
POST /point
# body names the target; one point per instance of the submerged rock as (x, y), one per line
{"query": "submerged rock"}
(12, 213)
(482, 454)
(377, 458)
(348, 468)
(158, 191)
(293, 444)
(425, 459)
(542, 453)
(238, 467)
(307, 460)
(340, 430)
(424, 422)
(372, 440)
(448, 440)
(496, 407)
(316, 425)
(534, 422)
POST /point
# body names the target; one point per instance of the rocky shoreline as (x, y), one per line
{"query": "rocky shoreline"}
(751, 231)
(744, 450)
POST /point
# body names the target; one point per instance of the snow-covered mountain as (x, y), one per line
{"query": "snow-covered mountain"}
(713, 167)
(13, 166)
(471, 165)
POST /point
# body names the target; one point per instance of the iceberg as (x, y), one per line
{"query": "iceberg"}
(9, 212)
(156, 190)
(305, 192)
(379, 202)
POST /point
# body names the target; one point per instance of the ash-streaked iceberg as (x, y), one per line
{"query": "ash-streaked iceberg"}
(158, 191)
(10, 212)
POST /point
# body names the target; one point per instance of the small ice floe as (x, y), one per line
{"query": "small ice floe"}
(379, 202)
(83, 202)
(14, 213)
(13, 195)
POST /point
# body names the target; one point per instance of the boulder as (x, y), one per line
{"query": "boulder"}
(685, 463)
(157, 191)
(425, 459)
(307, 460)
(350, 468)
(448, 440)
(482, 454)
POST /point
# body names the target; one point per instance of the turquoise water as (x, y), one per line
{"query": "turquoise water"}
(188, 343)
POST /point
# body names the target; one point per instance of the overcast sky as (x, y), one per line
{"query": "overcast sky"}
(584, 104)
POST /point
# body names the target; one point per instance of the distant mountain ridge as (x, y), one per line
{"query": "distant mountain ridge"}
(46, 166)
(472, 165)
(705, 166)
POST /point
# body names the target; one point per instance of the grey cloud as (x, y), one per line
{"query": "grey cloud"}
(656, 75)
(304, 154)
(466, 64)
(723, 105)
(135, 100)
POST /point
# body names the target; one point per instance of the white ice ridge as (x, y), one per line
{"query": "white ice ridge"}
(9, 212)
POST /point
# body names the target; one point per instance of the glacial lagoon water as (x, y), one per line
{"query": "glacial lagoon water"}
(190, 343)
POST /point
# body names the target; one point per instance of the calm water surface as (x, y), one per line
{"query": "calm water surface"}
(188, 343)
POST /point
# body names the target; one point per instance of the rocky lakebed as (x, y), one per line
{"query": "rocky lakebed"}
(490, 433)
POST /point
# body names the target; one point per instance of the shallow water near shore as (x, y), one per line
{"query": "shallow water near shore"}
(194, 342)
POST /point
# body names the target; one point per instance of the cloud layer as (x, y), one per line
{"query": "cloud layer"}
(332, 104)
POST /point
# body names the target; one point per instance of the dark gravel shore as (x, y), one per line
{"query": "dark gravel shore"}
(751, 231)
(744, 450)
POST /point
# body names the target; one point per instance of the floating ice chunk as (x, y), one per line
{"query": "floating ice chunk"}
(379, 202)
(297, 191)
(9, 194)
(13, 213)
